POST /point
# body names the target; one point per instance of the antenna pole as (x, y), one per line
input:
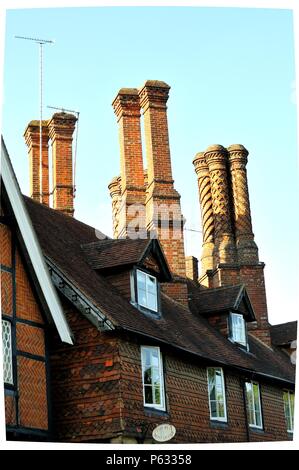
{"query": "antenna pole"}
(40, 122)
(41, 42)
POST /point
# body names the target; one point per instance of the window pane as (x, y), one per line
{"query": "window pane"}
(151, 284)
(142, 297)
(258, 419)
(155, 376)
(211, 377)
(148, 394)
(213, 406)
(256, 396)
(248, 386)
(238, 333)
(251, 416)
(216, 393)
(152, 301)
(147, 290)
(253, 404)
(152, 373)
(148, 376)
(292, 396)
(157, 395)
(250, 403)
(141, 279)
(288, 400)
(155, 357)
(7, 352)
(146, 357)
(221, 412)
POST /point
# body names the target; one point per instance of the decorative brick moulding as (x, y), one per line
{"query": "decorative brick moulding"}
(229, 252)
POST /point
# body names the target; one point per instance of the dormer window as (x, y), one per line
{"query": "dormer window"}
(145, 291)
(238, 333)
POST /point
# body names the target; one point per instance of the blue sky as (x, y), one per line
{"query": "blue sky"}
(232, 75)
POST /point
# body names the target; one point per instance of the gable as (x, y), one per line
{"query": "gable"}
(108, 256)
(31, 247)
(243, 308)
(151, 263)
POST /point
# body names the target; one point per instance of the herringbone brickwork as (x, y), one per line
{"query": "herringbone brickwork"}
(26, 402)
(33, 406)
(6, 293)
(5, 243)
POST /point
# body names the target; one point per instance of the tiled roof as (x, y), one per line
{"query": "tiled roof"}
(111, 253)
(218, 300)
(61, 238)
(284, 333)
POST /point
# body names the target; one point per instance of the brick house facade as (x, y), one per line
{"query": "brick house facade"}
(150, 341)
(25, 324)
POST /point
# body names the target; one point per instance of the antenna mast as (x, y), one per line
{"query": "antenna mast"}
(41, 43)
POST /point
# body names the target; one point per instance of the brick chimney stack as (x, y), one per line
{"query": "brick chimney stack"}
(152, 188)
(234, 260)
(225, 249)
(192, 268)
(115, 193)
(163, 210)
(207, 218)
(61, 129)
(162, 198)
(127, 110)
(246, 246)
(32, 139)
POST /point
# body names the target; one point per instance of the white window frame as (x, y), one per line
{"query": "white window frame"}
(291, 413)
(233, 336)
(156, 285)
(8, 357)
(254, 425)
(217, 418)
(160, 407)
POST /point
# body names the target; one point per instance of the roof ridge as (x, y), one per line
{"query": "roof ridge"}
(285, 323)
(60, 214)
(220, 288)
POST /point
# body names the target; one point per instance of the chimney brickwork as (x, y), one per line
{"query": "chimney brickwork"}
(39, 181)
(225, 249)
(127, 110)
(151, 188)
(222, 178)
(192, 268)
(163, 210)
(61, 129)
(207, 217)
(115, 193)
(246, 246)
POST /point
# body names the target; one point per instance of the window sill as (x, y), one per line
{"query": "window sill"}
(215, 423)
(154, 412)
(146, 311)
(243, 347)
(257, 430)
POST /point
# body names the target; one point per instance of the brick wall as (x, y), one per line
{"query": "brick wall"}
(187, 403)
(87, 404)
(26, 402)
